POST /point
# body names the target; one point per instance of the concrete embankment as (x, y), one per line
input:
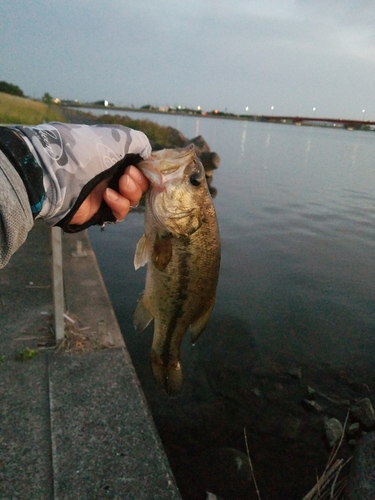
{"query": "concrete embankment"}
(74, 423)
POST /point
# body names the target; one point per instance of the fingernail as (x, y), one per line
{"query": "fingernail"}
(135, 173)
(112, 194)
(130, 184)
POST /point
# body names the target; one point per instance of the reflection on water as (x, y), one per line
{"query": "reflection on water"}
(297, 221)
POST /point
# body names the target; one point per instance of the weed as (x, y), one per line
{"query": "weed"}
(26, 354)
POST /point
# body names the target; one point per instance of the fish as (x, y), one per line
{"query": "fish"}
(181, 247)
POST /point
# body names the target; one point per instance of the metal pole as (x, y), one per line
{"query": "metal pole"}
(58, 284)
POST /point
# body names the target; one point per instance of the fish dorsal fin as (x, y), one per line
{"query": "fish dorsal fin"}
(162, 251)
(141, 253)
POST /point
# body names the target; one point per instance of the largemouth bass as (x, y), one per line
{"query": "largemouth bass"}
(181, 248)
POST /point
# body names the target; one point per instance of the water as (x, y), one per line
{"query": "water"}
(296, 289)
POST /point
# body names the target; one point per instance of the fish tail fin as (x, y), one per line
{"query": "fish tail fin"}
(167, 378)
(174, 381)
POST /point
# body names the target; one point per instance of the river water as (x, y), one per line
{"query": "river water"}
(295, 305)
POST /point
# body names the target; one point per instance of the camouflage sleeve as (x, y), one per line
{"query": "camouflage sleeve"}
(16, 218)
(75, 158)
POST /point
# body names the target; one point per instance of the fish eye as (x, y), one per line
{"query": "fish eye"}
(195, 179)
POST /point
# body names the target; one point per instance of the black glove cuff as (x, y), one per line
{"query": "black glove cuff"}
(27, 167)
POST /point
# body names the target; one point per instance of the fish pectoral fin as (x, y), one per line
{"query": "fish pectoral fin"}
(141, 253)
(162, 251)
(142, 316)
(199, 325)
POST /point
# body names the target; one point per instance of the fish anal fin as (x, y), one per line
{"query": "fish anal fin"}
(141, 253)
(162, 251)
(142, 316)
(199, 325)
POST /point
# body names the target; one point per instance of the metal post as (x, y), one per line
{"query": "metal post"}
(58, 284)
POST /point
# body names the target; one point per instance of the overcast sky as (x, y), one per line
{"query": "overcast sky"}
(295, 55)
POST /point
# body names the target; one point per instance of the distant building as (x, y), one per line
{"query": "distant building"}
(103, 103)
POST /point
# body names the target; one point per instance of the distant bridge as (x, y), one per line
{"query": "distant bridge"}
(299, 120)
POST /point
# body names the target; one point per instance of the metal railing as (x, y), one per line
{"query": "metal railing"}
(57, 282)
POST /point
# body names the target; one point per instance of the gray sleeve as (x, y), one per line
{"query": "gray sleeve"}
(16, 218)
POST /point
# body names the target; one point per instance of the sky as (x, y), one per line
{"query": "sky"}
(281, 57)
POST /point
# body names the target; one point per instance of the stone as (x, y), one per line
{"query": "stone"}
(257, 392)
(226, 472)
(363, 411)
(291, 427)
(295, 372)
(200, 144)
(353, 429)
(311, 392)
(313, 406)
(210, 161)
(334, 431)
(361, 479)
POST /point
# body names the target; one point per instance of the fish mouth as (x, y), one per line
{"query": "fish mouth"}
(160, 175)
(166, 165)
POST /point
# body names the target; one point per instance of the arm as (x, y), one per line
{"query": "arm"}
(16, 218)
(66, 170)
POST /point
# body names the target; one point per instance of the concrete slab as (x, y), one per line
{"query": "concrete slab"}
(73, 422)
(104, 442)
(25, 442)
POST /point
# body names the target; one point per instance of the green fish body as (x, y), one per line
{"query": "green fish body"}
(181, 247)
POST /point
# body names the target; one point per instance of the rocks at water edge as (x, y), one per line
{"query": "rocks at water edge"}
(361, 480)
(334, 431)
(363, 411)
(226, 472)
(209, 159)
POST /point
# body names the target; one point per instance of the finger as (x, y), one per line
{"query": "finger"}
(130, 189)
(137, 177)
(119, 204)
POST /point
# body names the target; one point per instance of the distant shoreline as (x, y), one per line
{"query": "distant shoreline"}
(339, 123)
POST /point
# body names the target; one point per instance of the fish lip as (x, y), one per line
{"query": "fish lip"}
(154, 176)
(160, 169)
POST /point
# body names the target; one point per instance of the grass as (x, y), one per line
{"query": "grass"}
(20, 110)
(158, 135)
(26, 354)
(329, 486)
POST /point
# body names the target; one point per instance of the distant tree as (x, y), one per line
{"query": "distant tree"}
(9, 88)
(47, 98)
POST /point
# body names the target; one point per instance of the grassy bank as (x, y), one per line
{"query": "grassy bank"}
(158, 135)
(25, 111)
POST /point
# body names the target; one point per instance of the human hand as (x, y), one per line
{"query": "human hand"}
(132, 184)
